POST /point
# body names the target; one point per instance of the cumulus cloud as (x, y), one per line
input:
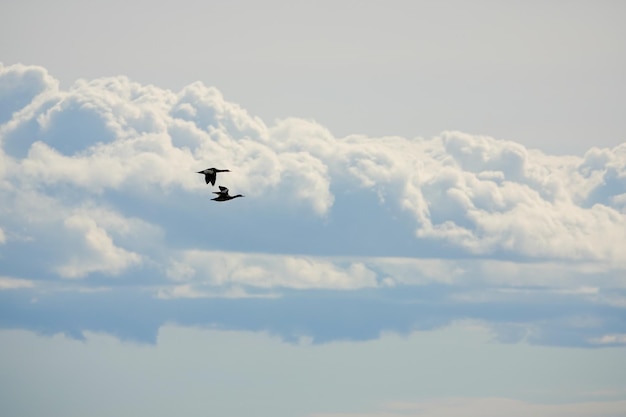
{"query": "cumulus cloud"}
(19, 86)
(99, 180)
(478, 194)
(491, 196)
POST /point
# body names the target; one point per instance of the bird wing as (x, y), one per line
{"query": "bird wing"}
(223, 189)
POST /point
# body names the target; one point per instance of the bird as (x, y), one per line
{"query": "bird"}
(222, 195)
(211, 173)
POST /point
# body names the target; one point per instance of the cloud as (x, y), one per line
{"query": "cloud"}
(268, 271)
(98, 253)
(478, 194)
(98, 181)
(490, 197)
(19, 86)
(531, 316)
(610, 339)
(7, 283)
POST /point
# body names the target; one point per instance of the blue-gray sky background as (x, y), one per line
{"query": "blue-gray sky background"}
(433, 222)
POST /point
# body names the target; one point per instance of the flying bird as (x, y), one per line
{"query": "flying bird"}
(211, 173)
(222, 195)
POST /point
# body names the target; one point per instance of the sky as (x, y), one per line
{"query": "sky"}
(433, 219)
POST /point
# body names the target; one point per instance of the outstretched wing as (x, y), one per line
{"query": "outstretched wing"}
(209, 175)
(223, 189)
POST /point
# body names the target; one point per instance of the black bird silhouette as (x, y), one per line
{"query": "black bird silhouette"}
(222, 195)
(211, 173)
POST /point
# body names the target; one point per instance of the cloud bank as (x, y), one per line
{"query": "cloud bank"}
(100, 190)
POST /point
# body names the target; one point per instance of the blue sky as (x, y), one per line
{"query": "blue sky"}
(433, 222)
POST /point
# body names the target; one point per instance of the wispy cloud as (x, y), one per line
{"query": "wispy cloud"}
(7, 283)
(610, 339)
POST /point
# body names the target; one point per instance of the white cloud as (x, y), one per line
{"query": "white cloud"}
(610, 339)
(192, 291)
(577, 279)
(410, 271)
(19, 86)
(534, 207)
(484, 195)
(181, 291)
(117, 144)
(113, 133)
(496, 280)
(76, 238)
(98, 252)
(7, 283)
(270, 271)
(179, 271)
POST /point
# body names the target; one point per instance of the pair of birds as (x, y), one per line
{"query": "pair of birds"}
(209, 176)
